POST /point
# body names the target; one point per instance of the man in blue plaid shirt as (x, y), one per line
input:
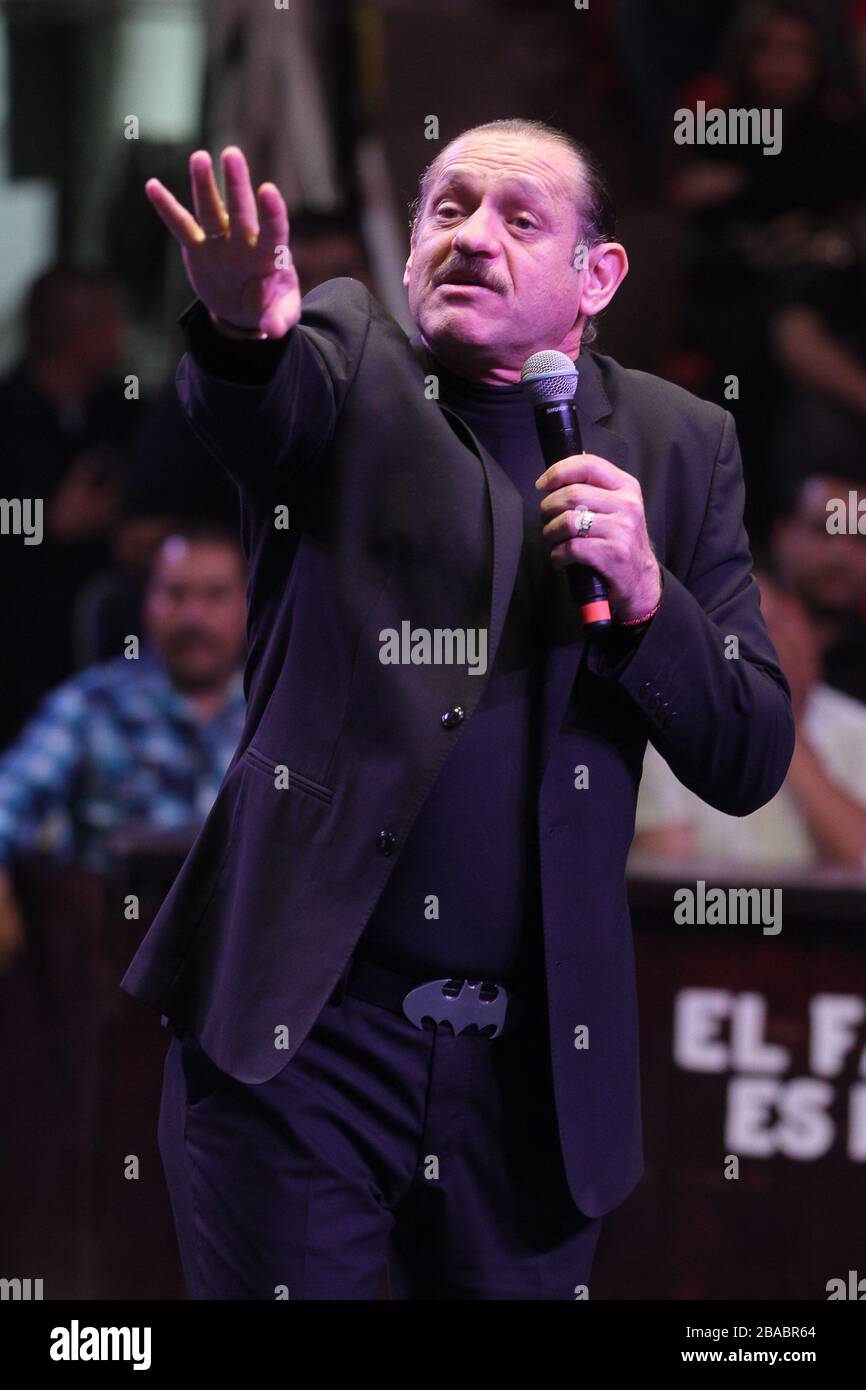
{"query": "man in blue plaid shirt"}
(140, 740)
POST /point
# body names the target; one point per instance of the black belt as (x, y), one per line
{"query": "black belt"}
(488, 1007)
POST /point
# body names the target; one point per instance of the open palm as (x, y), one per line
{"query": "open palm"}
(236, 252)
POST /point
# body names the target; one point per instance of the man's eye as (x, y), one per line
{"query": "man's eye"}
(447, 210)
(528, 223)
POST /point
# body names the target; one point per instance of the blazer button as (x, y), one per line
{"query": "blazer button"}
(452, 717)
(385, 841)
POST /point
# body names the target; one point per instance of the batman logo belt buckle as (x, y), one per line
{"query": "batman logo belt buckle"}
(461, 1004)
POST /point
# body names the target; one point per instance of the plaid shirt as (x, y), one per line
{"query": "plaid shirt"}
(115, 744)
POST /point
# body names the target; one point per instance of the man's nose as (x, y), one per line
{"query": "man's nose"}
(476, 236)
(193, 610)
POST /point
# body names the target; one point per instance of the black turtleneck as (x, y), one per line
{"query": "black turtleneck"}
(473, 845)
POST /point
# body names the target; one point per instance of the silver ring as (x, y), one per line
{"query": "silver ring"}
(587, 517)
(215, 236)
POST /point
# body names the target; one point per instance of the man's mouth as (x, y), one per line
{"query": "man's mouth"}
(462, 278)
(460, 282)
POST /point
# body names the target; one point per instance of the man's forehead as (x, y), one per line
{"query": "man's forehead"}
(535, 163)
(176, 552)
(816, 491)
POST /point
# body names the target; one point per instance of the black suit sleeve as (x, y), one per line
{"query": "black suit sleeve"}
(244, 363)
(262, 408)
(705, 672)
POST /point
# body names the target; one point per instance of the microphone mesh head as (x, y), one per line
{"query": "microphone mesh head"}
(549, 376)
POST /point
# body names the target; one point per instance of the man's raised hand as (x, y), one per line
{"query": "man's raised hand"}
(236, 252)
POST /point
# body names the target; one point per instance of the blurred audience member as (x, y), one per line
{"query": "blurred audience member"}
(818, 817)
(170, 479)
(326, 246)
(662, 44)
(143, 742)
(818, 334)
(754, 217)
(762, 208)
(65, 423)
(827, 573)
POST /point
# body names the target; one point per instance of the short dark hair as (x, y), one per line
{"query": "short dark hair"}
(793, 484)
(53, 306)
(596, 209)
(747, 26)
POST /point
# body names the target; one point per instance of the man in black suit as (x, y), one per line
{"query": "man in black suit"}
(398, 959)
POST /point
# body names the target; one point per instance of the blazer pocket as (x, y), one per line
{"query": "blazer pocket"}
(201, 1075)
(297, 780)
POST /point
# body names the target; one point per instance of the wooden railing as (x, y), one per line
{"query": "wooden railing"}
(749, 1041)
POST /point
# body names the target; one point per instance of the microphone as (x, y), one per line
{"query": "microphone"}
(550, 381)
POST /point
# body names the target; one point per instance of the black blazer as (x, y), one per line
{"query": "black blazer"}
(396, 513)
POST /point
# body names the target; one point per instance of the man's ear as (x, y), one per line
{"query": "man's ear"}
(408, 269)
(606, 268)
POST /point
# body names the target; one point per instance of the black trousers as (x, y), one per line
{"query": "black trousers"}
(379, 1145)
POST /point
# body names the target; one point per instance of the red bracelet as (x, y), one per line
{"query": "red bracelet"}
(635, 622)
(645, 617)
